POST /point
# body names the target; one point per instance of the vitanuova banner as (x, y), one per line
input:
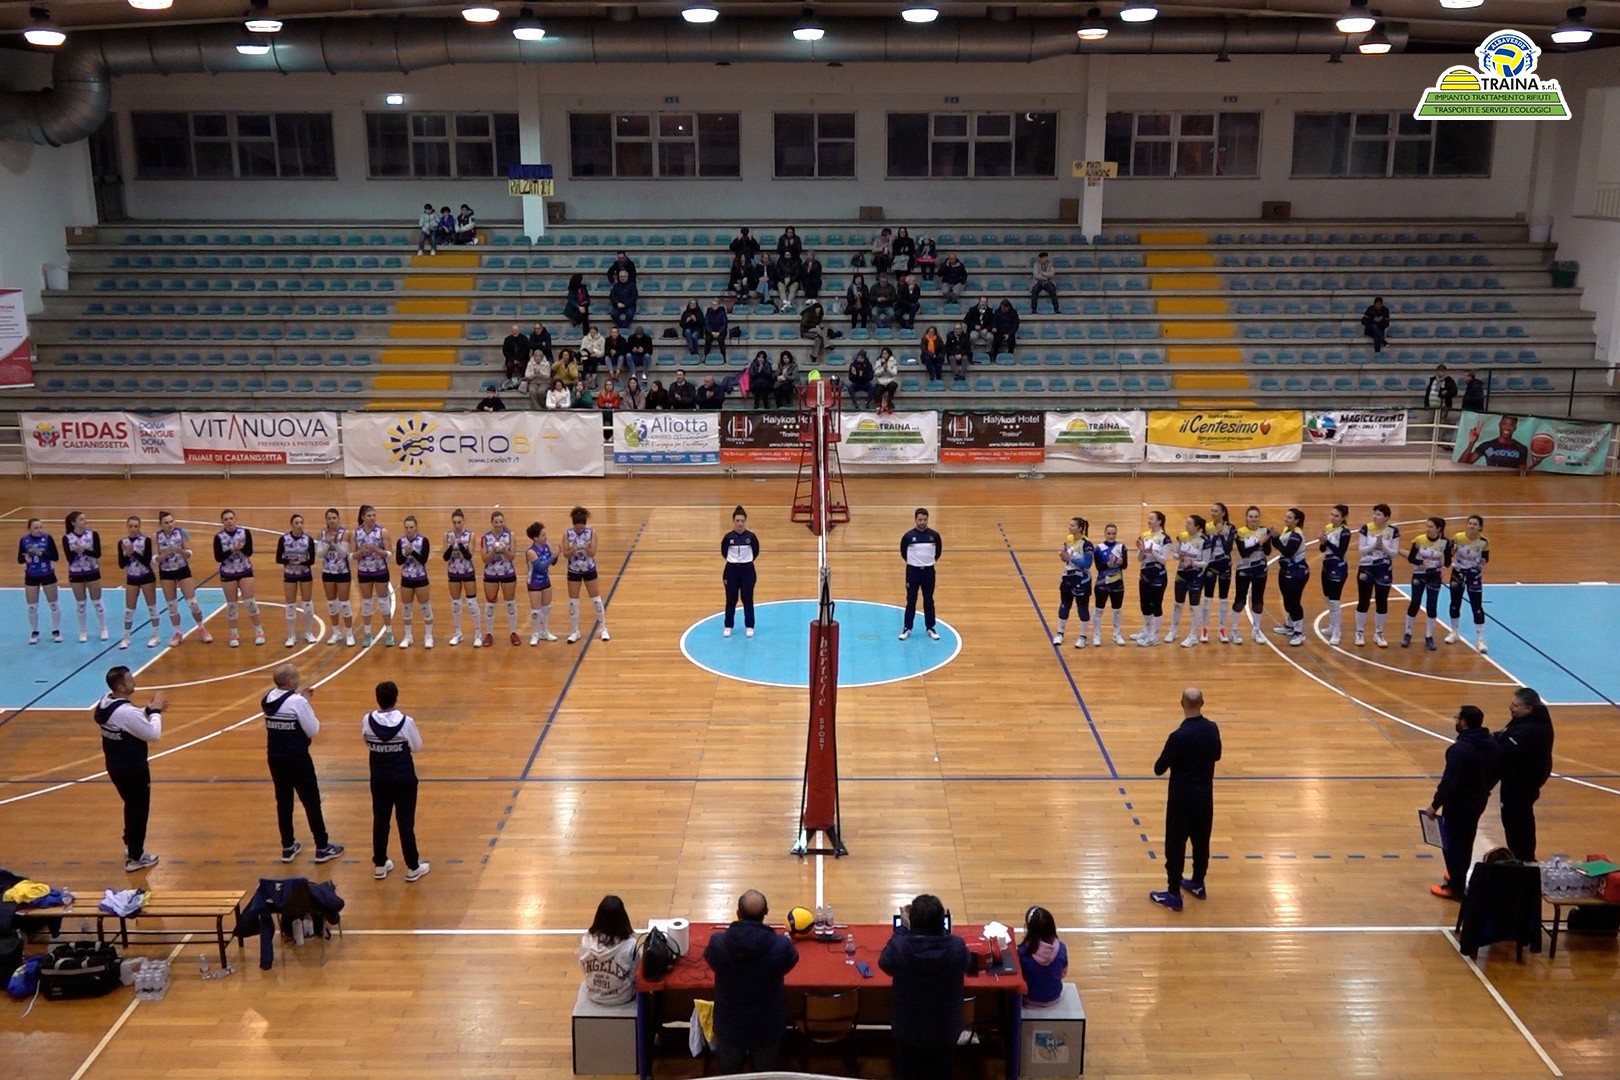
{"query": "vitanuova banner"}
(260, 438)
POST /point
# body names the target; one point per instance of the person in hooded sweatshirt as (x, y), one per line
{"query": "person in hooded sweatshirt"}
(607, 955)
(749, 961)
(927, 963)
(1527, 746)
(391, 740)
(1043, 958)
(1473, 765)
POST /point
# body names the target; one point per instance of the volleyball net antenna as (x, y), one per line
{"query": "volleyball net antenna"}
(821, 504)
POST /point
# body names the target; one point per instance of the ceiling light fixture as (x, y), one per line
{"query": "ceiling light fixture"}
(151, 5)
(1093, 28)
(1458, 5)
(41, 30)
(395, 99)
(808, 28)
(480, 15)
(1138, 13)
(253, 46)
(1574, 29)
(700, 15)
(920, 14)
(1376, 43)
(1357, 20)
(527, 27)
(259, 19)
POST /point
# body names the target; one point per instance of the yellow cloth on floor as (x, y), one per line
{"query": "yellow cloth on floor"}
(24, 891)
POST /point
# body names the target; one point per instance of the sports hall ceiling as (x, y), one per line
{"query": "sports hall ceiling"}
(1432, 27)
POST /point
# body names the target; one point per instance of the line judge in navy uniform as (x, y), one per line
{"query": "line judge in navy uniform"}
(921, 548)
(290, 726)
(126, 729)
(740, 548)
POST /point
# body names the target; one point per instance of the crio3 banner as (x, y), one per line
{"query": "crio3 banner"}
(1224, 435)
(1532, 443)
(666, 438)
(437, 444)
(261, 438)
(908, 438)
(103, 438)
(1381, 427)
(1096, 436)
(16, 350)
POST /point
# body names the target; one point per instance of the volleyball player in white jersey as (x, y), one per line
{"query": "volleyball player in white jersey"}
(411, 553)
(1152, 550)
(1333, 544)
(136, 555)
(1191, 553)
(81, 546)
(1112, 560)
(1293, 574)
(335, 549)
(1220, 537)
(174, 576)
(500, 577)
(233, 550)
(1429, 555)
(463, 574)
(1470, 551)
(1253, 543)
(1377, 542)
(579, 548)
(38, 554)
(295, 554)
(539, 559)
(371, 569)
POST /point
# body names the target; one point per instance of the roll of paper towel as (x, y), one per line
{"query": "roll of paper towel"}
(679, 932)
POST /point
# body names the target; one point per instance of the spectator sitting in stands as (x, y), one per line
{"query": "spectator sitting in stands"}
(623, 264)
(1004, 329)
(584, 396)
(622, 301)
(958, 352)
(492, 400)
(607, 955)
(466, 226)
(932, 353)
(927, 257)
(682, 394)
(812, 327)
(567, 367)
(592, 348)
(903, 252)
(1473, 392)
(788, 274)
(856, 302)
(908, 301)
(744, 244)
(609, 399)
(692, 326)
(979, 323)
(883, 298)
(715, 324)
(886, 380)
(1043, 279)
(540, 340)
(641, 351)
(515, 354)
(710, 396)
(771, 274)
(810, 277)
(658, 398)
(558, 397)
(761, 379)
(635, 397)
(749, 960)
(883, 250)
(1441, 391)
(1375, 323)
(445, 231)
(577, 305)
(537, 379)
(787, 379)
(614, 349)
(859, 380)
(741, 279)
(928, 963)
(789, 244)
(1043, 958)
(952, 278)
(428, 223)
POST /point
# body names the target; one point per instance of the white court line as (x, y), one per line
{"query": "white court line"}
(1506, 1008)
(820, 880)
(13, 510)
(1355, 654)
(123, 1018)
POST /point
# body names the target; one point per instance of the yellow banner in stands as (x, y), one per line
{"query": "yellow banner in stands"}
(530, 187)
(1095, 170)
(1224, 435)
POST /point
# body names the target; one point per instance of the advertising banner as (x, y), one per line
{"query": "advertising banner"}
(666, 438)
(435, 444)
(974, 438)
(1096, 436)
(1379, 427)
(114, 439)
(260, 438)
(1224, 435)
(16, 350)
(760, 438)
(1532, 444)
(908, 438)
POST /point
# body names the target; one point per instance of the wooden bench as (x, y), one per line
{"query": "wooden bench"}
(167, 904)
(1559, 903)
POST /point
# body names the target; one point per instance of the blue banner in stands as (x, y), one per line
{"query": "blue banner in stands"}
(528, 172)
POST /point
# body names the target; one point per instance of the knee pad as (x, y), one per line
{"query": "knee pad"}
(253, 609)
(230, 610)
(365, 607)
(427, 612)
(332, 608)
(346, 608)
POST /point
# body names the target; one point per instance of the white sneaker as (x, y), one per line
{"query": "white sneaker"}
(290, 642)
(235, 642)
(1170, 637)
(427, 640)
(548, 636)
(83, 636)
(348, 639)
(1451, 638)
(258, 637)
(1057, 639)
(1378, 639)
(904, 634)
(748, 632)
(478, 641)
(1080, 642)
(335, 636)
(725, 632)
(455, 639)
(1237, 638)
(420, 872)
(311, 637)
(405, 642)
(1333, 638)
(1096, 639)
(152, 642)
(1119, 639)
(103, 634)
(572, 638)
(123, 642)
(388, 638)
(1283, 630)
(380, 872)
(1480, 645)
(367, 640)
(1147, 641)
(1297, 640)
(534, 638)
(605, 637)
(1189, 641)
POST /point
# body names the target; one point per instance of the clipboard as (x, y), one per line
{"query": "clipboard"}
(1432, 828)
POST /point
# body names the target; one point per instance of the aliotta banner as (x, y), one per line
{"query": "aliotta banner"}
(1381, 427)
(260, 438)
(908, 438)
(1224, 435)
(16, 350)
(436, 444)
(666, 438)
(1532, 443)
(760, 438)
(1096, 436)
(116, 439)
(975, 438)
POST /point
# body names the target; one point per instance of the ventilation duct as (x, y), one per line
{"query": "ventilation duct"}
(76, 103)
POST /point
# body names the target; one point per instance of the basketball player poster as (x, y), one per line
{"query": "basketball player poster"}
(16, 350)
(1532, 443)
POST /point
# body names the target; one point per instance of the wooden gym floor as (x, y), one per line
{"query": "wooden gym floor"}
(556, 774)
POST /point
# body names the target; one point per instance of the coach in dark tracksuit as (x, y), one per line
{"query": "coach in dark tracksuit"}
(125, 729)
(921, 548)
(1473, 763)
(1527, 746)
(391, 740)
(1189, 755)
(289, 727)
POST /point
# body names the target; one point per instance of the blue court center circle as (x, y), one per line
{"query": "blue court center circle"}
(869, 652)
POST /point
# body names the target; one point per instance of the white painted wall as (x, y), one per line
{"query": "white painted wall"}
(1277, 86)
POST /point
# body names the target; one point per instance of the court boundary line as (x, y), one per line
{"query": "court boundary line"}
(1497, 997)
(123, 1018)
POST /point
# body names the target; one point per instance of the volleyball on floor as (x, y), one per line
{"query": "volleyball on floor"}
(799, 922)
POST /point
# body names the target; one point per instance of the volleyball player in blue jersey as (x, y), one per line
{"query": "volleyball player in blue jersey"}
(136, 556)
(1220, 537)
(1333, 543)
(1253, 544)
(1378, 542)
(540, 559)
(1293, 574)
(1429, 555)
(1078, 556)
(1111, 561)
(1191, 555)
(38, 555)
(1470, 551)
(1152, 550)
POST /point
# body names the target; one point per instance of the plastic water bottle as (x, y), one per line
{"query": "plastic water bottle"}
(849, 948)
(202, 964)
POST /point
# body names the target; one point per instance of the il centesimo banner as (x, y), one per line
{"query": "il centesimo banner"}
(103, 438)
(1381, 427)
(437, 444)
(999, 438)
(260, 438)
(908, 438)
(1224, 435)
(1096, 436)
(1532, 443)
(666, 438)
(760, 438)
